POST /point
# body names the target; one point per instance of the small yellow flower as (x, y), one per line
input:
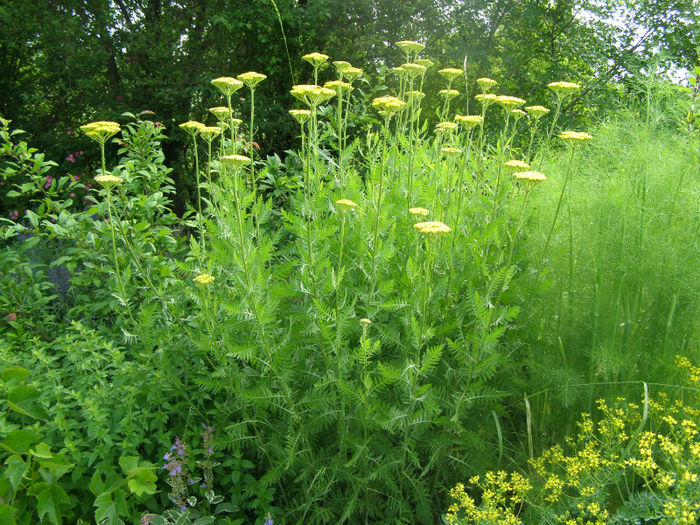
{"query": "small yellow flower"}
(312, 95)
(227, 85)
(338, 86)
(571, 137)
(365, 322)
(419, 212)
(507, 102)
(251, 78)
(451, 152)
(485, 84)
(425, 62)
(352, 73)
(346, 204)
(537, 112)
(413, 70)
(208, 133)
(204, 279)
(469, 121)
(315, 59)
(517, 165)
(220, 112)
(410, 46)
(235, 161)
(192, 127)
(417, 95)
(108, 180)
(388, 105)
(449, 93)
(101, 130)
(300, 115)
(432, 227)
(486, 99)
(398, 70)
(562, 89)
(517, 113)
(341, 66)
(446, 126)
(450, 73)
(530, 176)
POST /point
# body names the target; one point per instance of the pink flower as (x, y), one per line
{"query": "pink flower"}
(118, 98)
(76, 178)
(12, 317)
(14, 215)
(49, 180)
(88, 186)
(72, 195)
(70, 158)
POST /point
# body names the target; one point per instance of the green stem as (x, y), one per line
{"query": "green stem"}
(556, 213)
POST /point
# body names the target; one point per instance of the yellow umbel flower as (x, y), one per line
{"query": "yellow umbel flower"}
(251, 78)
(485, 84)
(537, 112)
(338, 86)
(413, 70)
(469, 121)
(341, 66)
(446, 126)
(208, 133)
(419, 212)
(352, 73)
(108, 180)
(398, 70)
(365, 322)
(410, 46)
(449, 93)
(345, 204)
(227, 85)
(450, 73)
(101, 130)
(388, 105)
(418, 95)
(432, 227)
(300, 115)
(562, 89)
(486, 99)
(517, 165)
(571, 137)
(530, 176)
(425, 62)
(192, 127)
(315, 59)
(204, 279)
(507, 102)
(220, 112)
(235, 161)
(517, 113)
(312, 95)
(451, 152)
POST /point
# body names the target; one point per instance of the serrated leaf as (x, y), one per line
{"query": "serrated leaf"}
(42, 451)
(14, 472)
(49, 501)
(19, 441)
(25, 400)
(7, 514)
(14, 375)
(110, 506)
(142, 480)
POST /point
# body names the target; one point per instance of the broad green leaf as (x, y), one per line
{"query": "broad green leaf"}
(14, 375)
(128, 463)
(110, 506)
(142, 480)
(25, 400)
(19, 441)
(42, 451)
(14, 472)
(49, 501)
(7, 514)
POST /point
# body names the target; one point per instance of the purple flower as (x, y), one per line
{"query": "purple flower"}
(166, 457)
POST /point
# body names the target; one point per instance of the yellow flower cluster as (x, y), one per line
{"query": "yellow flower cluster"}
(419, 212)
(108, 180)
(469, 121)
(537, 112)
(451, 73)
(432, 227)
(300, 115)
(315, 59)
(410, 46)
(449, 93)
(227, 85)
(563, 88)
(101, 130)
(251, 78)
(388, 105)
(312, 95)
(517, 165)
(414, 69)
(572, 137)
(485, 84)
(507, 102)
(346, 204)
(204, 279)
(235, 161)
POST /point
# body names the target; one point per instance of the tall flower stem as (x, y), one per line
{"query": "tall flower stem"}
(426, 285)
(199, 191)
(250, 143)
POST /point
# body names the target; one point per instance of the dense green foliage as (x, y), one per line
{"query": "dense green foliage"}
(348, 361)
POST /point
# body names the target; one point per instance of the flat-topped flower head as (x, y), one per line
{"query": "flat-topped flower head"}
(300, 115)
(517, 113)
(192, 127)
(101, 130)
(469, 121)
(425, 62)
(251, 78)
(227, 85)
(563, 89)
(338, 86)
(203, 279)
(536, 112)
(485, 84)
(446, 126)
(365, 322)
(533, 177)
(517, 165)
(413, 70)
(235, 161)
(236, 122)
(415, 95)
(312, 95)
(108, 180)
(209, 133)
(341, 66)
(399, 70)
(432, 228)
(352, 73)
(388, 105)
(572, 137)
(345, 204)
(448, 93)
(315, 59)
(451, 152)
(222, 113)
(486, 99)
(419, 212)
(450, 73)
(410, 46)
(507, 102)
